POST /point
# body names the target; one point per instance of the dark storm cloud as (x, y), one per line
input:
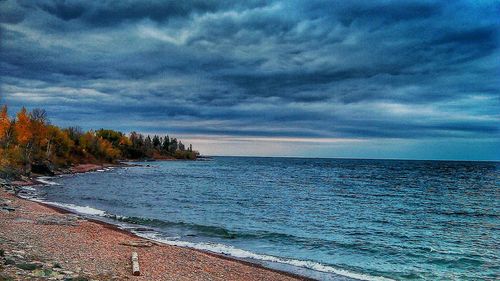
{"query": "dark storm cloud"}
(11, 13)
(106, 13)
(385, 12)
(319, 69)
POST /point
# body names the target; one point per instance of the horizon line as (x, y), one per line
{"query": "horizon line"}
(350, 158)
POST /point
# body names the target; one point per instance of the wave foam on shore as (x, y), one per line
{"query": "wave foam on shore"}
(46, 180)
(243, 254)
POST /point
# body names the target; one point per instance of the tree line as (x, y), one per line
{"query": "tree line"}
(29, 140)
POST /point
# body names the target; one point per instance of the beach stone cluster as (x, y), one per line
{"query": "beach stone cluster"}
(6, 205)
(18, 264)
(67, 219)
(21, 261)
(9, 188)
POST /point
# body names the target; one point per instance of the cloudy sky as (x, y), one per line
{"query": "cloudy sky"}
(373, 79)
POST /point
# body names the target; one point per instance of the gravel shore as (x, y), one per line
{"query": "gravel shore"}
(39, 242)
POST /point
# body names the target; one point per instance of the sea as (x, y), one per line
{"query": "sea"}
(328, 219)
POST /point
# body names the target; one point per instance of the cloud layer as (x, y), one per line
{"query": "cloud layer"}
(299, 70)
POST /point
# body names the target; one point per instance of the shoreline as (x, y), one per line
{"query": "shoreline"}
(115, 228)
(246, 270)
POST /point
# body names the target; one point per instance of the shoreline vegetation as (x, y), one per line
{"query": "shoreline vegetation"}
(30, 144)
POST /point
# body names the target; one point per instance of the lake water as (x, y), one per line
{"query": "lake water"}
(332, 219)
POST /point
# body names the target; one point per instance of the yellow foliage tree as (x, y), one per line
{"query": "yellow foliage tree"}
(107, 151)
(125, 141)
(59, 145)
(24, 139)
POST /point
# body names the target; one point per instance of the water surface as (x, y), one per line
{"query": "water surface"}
(365, 219)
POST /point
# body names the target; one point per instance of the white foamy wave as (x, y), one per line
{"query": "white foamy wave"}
(28, 188)
(84, 210)
(243, 254)
(46, 180)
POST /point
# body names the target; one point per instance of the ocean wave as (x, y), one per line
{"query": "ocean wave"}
(208, 230)
(46, 181)
(221, 232)
(27, 188)
(203, 229)
(244, 254)
(29, 193)
(84, 210)
(463, 261)
(467, 214)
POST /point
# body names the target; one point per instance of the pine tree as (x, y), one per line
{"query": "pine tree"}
(173, 145)
(156, 142)
(166, 143)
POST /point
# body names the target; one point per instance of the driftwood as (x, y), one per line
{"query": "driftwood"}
(135, 264)
(138, 243)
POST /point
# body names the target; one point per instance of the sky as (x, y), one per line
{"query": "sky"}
(361, 79)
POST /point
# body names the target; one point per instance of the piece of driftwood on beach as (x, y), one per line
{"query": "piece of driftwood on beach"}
(135, 264)
(138, 243)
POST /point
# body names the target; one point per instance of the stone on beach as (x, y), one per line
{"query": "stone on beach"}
(67, 220)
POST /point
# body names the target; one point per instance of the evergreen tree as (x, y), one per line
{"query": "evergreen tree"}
(166, 143)
(173, 145)
(148, 143)
(156, 142)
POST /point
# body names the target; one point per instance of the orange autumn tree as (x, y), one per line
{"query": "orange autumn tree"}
(23, 128)
(24, 137)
